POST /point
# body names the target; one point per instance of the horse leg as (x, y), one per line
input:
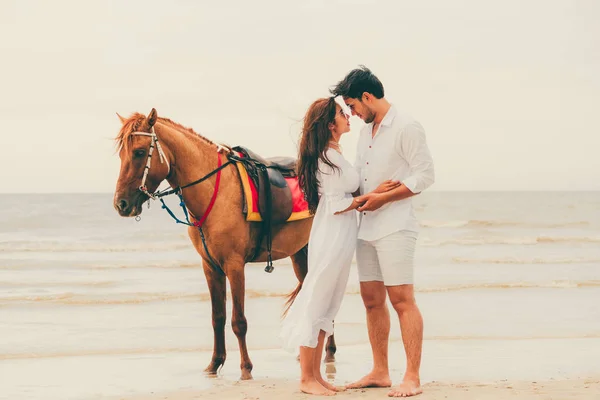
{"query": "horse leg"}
(217, 287)
(239, 324)
(300, 263)
(330, 348)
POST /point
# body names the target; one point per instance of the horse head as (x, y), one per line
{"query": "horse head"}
(144, 163)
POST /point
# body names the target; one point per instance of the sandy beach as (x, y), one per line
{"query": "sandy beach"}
(578, 389)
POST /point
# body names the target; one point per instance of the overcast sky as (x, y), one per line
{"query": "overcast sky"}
(507, 91)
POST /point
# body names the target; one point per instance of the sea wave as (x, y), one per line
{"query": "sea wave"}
(149, 247)
(100, 265)
(92, 284)
(149, 297)
(70, 247)
(209, 348)
(103, 352)
(517, 240)
(514, 260)
(93, 265)
(499, 223)
(120, 298)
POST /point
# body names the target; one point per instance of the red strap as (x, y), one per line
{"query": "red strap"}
(214, 196)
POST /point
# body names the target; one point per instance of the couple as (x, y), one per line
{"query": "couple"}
(392, 164)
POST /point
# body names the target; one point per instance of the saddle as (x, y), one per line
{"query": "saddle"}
(275, 201)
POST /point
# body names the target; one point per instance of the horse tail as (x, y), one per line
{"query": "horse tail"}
(290, 299)
(299, 260)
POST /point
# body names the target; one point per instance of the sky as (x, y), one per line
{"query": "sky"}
(508, 92)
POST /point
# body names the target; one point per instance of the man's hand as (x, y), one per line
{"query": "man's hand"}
(371, 201)
(387, 186)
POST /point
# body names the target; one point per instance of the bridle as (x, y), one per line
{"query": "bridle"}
(153, 143)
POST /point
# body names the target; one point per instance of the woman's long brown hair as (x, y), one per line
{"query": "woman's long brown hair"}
(313, 143)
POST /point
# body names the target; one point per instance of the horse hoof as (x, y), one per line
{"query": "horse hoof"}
(213, 368)
(246, 376)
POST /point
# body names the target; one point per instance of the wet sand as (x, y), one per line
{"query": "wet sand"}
(577, 389)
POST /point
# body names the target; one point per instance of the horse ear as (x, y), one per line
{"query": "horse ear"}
(152, 118)
(121, 118)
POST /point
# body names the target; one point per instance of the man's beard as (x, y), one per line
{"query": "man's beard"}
(370, 117)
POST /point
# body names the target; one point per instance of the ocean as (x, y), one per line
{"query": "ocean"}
(93, 305)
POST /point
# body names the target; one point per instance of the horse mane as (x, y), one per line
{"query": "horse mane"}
(135, 121)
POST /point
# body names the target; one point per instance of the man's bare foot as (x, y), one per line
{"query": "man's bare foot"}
(372, 380)
(410, 387)
(314, 387)
(328, 385)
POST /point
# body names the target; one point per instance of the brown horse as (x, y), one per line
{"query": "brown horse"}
(184, 157)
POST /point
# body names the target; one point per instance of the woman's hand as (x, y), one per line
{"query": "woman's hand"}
(355, 204)
(387, 186)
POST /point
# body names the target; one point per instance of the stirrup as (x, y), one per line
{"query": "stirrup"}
(269, 268)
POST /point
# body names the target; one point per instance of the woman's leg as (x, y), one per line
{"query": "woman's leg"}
(308, 381)
(317, 364)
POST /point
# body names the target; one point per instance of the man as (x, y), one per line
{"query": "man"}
(391, 146)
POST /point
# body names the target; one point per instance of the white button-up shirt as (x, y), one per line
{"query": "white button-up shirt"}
(398, 151)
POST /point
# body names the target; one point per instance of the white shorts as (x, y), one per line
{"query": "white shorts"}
(389, 260)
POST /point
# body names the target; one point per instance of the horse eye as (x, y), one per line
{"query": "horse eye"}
(139, 153)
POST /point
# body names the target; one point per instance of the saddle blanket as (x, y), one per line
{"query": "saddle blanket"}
(299, 208)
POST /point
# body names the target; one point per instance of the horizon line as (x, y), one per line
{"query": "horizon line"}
(429, 191)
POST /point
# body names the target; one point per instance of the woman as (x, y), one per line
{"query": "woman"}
(328, 181)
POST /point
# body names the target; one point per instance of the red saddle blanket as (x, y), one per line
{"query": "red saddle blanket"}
(299, 208)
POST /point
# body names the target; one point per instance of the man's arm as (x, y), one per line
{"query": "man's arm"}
(412, 145)
(400, 193)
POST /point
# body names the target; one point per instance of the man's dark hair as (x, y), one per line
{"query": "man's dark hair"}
(357, 82)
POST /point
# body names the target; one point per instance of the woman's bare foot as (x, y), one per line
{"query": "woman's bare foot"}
(328, 385)
(314, 387)
(372, 380)
(410, 387)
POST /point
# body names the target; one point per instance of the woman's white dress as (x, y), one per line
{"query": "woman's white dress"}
(331, 248)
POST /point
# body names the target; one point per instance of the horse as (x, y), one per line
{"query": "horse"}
(213, 198)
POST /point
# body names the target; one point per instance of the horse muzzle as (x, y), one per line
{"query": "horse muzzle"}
(128, 207)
